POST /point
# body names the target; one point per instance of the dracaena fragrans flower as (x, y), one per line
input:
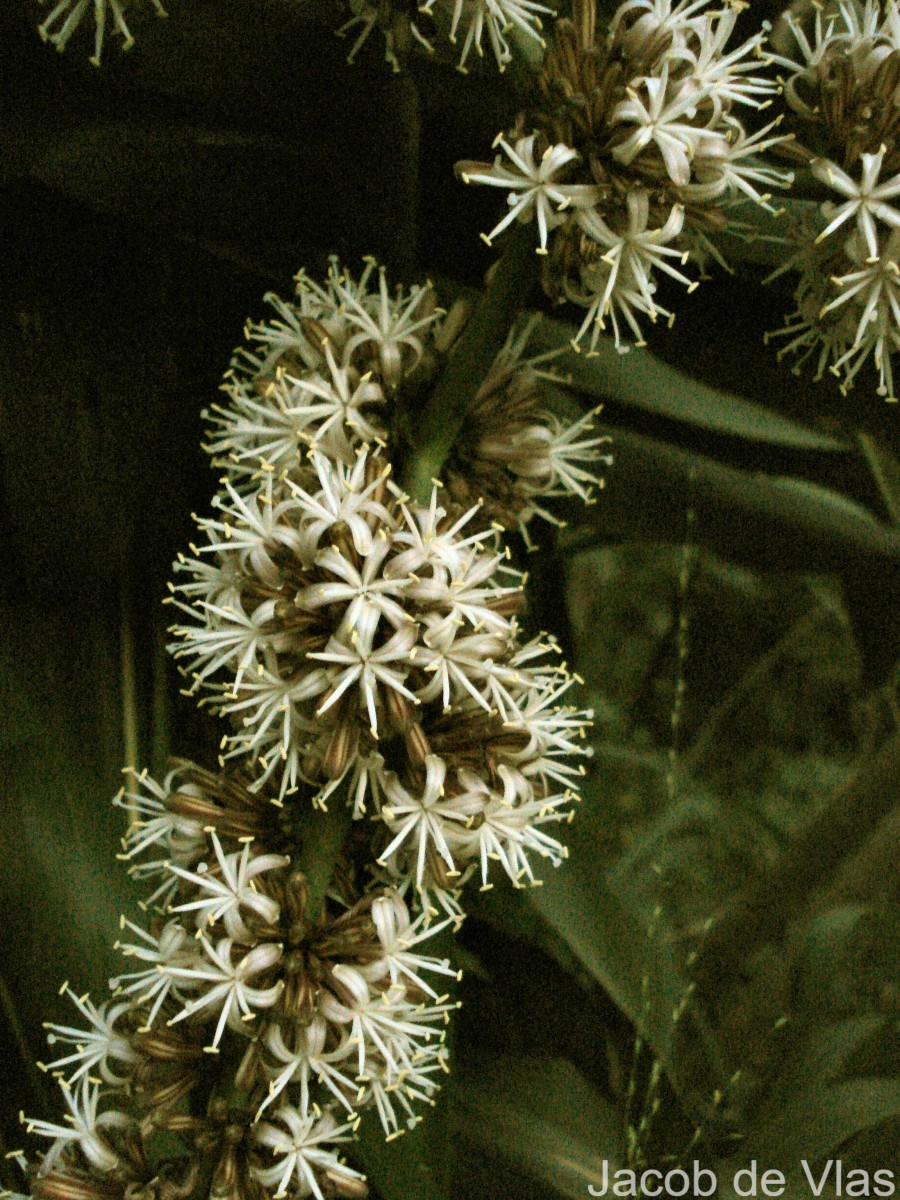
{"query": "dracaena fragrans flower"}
(67, 15)
(103, 1047)
(627, 165)
(399, 25)
(841, 91)
(405, 25)
(514, 454)
(300, 1143)
(358, 643)
(89, 1133)
(330, 375)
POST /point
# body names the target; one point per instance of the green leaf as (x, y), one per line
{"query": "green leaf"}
(884, 465)
(260, 179)
(605, 923)
(512, 913)
(845, 511)
(62, 889)
(639, 379)
(412, 1167)
(744, 516)
(542, 1115)
(150, 171)
(812, 1109)
(824, 973)
(633, 924)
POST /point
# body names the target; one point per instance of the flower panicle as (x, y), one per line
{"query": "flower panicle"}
(367, 655)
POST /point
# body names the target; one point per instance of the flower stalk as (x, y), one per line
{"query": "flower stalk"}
(324, 837)
(441, 420)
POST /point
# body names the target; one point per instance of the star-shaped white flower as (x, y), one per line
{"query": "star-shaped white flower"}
(458, 663)
(866, 198)
(225, 983)
(366, 592)
(471, 595)
(425, 818)
(398, 935)
(361, 663)
(336, 408)
(385, 1026)
(86, 1128)
(621, 281)
(173, 948)
(301, 1142)
(299, 1055)
(394, 326)
(344, 498)
(152, 827)
(506, 828)
(870, 297)
(255, 526)
(532, 185)
(221, 896)
(229, 639)
(433, 541)
(498, 17)
(420, 1083)
(97, 1047)
(657, 122)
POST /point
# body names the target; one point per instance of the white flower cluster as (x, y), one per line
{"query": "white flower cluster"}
(357, 640)
(334, 1016)
(841, 96)
(67, 15)
(332, 371)
(635, 152)
(473, 21)
(497, 18)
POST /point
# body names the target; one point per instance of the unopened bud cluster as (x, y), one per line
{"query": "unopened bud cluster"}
(367, 655)
(627, 164)
(842, 92)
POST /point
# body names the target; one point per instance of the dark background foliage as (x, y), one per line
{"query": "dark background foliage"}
(748, 845)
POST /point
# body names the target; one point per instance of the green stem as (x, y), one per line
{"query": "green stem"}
(129, 680)
(443, 415)
(324, 838)
(221, 1069)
